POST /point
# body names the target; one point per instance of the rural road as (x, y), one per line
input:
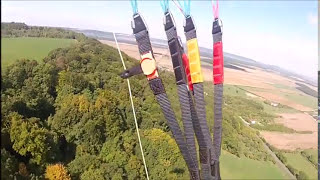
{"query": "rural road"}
(278, 162)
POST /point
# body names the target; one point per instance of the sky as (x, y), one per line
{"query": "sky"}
(282, 33)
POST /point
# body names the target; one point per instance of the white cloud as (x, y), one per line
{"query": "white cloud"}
(312, 19)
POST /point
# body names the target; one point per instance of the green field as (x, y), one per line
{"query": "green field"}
(302, 99)
(233, 167)
(29, 48)
(282, 86)
(279, 109)
(234, 90)
(312, 152)
(300, 163)
(311, 155)
(299, 97)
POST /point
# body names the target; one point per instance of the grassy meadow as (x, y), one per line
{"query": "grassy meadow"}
(29, 48)
(233, 167)
(296, 160)
(296, 97)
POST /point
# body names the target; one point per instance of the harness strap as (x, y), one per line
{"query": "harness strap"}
(175, 52)
(218, 94)
(197, 81)
(177, 62)
(203, 148)
(149, 68)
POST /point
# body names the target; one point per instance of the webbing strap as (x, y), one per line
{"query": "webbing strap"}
(190, 29)
(195, 69)
(174, 48)
(203, 149)
(187, 69)
(143, 41)
(218, 95)
(176, 57)
(193, 51)
(217, 128)
(201, 112)
(176, 132)
(188, 125)
(142, 37)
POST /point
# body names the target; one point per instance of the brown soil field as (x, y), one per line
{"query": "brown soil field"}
(298, 121)
(291, 141)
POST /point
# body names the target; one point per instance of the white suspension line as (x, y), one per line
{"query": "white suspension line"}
(133, 110)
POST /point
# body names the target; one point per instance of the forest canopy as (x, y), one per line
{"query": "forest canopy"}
(13, 29)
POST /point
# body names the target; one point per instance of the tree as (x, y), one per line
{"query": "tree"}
(9, 165)
(57, 172)
(82, 163)
(28, 137)
(29, 89)
(22, 30)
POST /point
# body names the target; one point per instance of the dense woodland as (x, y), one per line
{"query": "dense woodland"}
(22, 30)
(71, 115)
